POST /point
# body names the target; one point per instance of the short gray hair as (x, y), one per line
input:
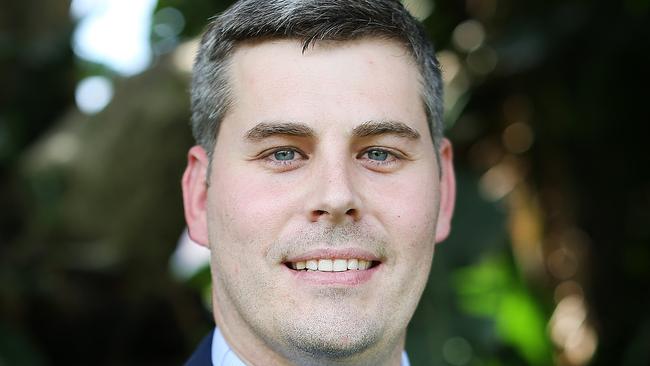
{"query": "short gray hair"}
(308, 21)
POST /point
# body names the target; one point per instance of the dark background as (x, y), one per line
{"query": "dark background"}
(549, 258)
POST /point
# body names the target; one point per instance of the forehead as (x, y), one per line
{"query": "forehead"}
(333, 81)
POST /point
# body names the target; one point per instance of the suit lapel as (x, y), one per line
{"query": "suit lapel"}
(202, 356)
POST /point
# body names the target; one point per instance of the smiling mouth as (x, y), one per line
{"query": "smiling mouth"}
(332, 265)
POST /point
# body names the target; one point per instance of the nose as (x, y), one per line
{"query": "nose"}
(333, 197)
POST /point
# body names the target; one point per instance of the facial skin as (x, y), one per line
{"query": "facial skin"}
(324, 155)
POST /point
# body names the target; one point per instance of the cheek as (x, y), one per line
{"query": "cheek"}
(249, 208)
(408, 209)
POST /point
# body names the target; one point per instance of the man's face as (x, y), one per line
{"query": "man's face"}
(324, 161)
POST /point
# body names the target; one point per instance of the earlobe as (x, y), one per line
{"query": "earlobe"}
(195, 192)
(447, 191)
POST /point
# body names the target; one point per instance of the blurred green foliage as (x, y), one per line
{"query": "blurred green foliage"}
(490, 289)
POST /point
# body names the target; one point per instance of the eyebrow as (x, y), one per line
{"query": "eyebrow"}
(268, 129)
(375, 128)
(367, 129)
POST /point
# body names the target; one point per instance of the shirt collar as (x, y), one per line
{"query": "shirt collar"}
(223, 355)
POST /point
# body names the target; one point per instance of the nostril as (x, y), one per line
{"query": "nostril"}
(335, 215)
(317, 215)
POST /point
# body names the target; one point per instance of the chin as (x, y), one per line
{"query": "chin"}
(333, 346)
(333, 336)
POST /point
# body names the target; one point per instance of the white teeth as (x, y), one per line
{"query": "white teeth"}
(353, 264)
(332, 265)
(340, 265)
(363, 264)
(312, 264)
(325, 265)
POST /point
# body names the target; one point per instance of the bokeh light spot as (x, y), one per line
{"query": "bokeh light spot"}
(562, 263)
(468, 35)
(498, 181)
(566, 289)
(114, 33)
(93, 94)
(172, 20)
(61, 148)
(517, 138)
(449, 65)
(482, 61)
(188, 258)
(457, 351)
(183, 56)
(420, 9)
(571, 332)
(168, 23)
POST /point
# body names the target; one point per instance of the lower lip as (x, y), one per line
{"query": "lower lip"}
(344, 278)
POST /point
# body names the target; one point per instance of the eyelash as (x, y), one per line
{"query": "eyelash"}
(267, 156)
(392, 159)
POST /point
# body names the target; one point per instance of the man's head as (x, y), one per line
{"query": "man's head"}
(326, 194)
(307, 21)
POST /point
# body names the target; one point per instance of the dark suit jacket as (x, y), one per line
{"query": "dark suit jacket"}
(202, 356)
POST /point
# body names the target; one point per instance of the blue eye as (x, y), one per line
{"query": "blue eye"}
(379, 155)
(284, 155)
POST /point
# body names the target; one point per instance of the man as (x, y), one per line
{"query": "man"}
(321, 181)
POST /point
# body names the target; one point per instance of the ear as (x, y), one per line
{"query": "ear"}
(447, 191)
(195, 193)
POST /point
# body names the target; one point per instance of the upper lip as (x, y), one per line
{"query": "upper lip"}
(330, 253)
